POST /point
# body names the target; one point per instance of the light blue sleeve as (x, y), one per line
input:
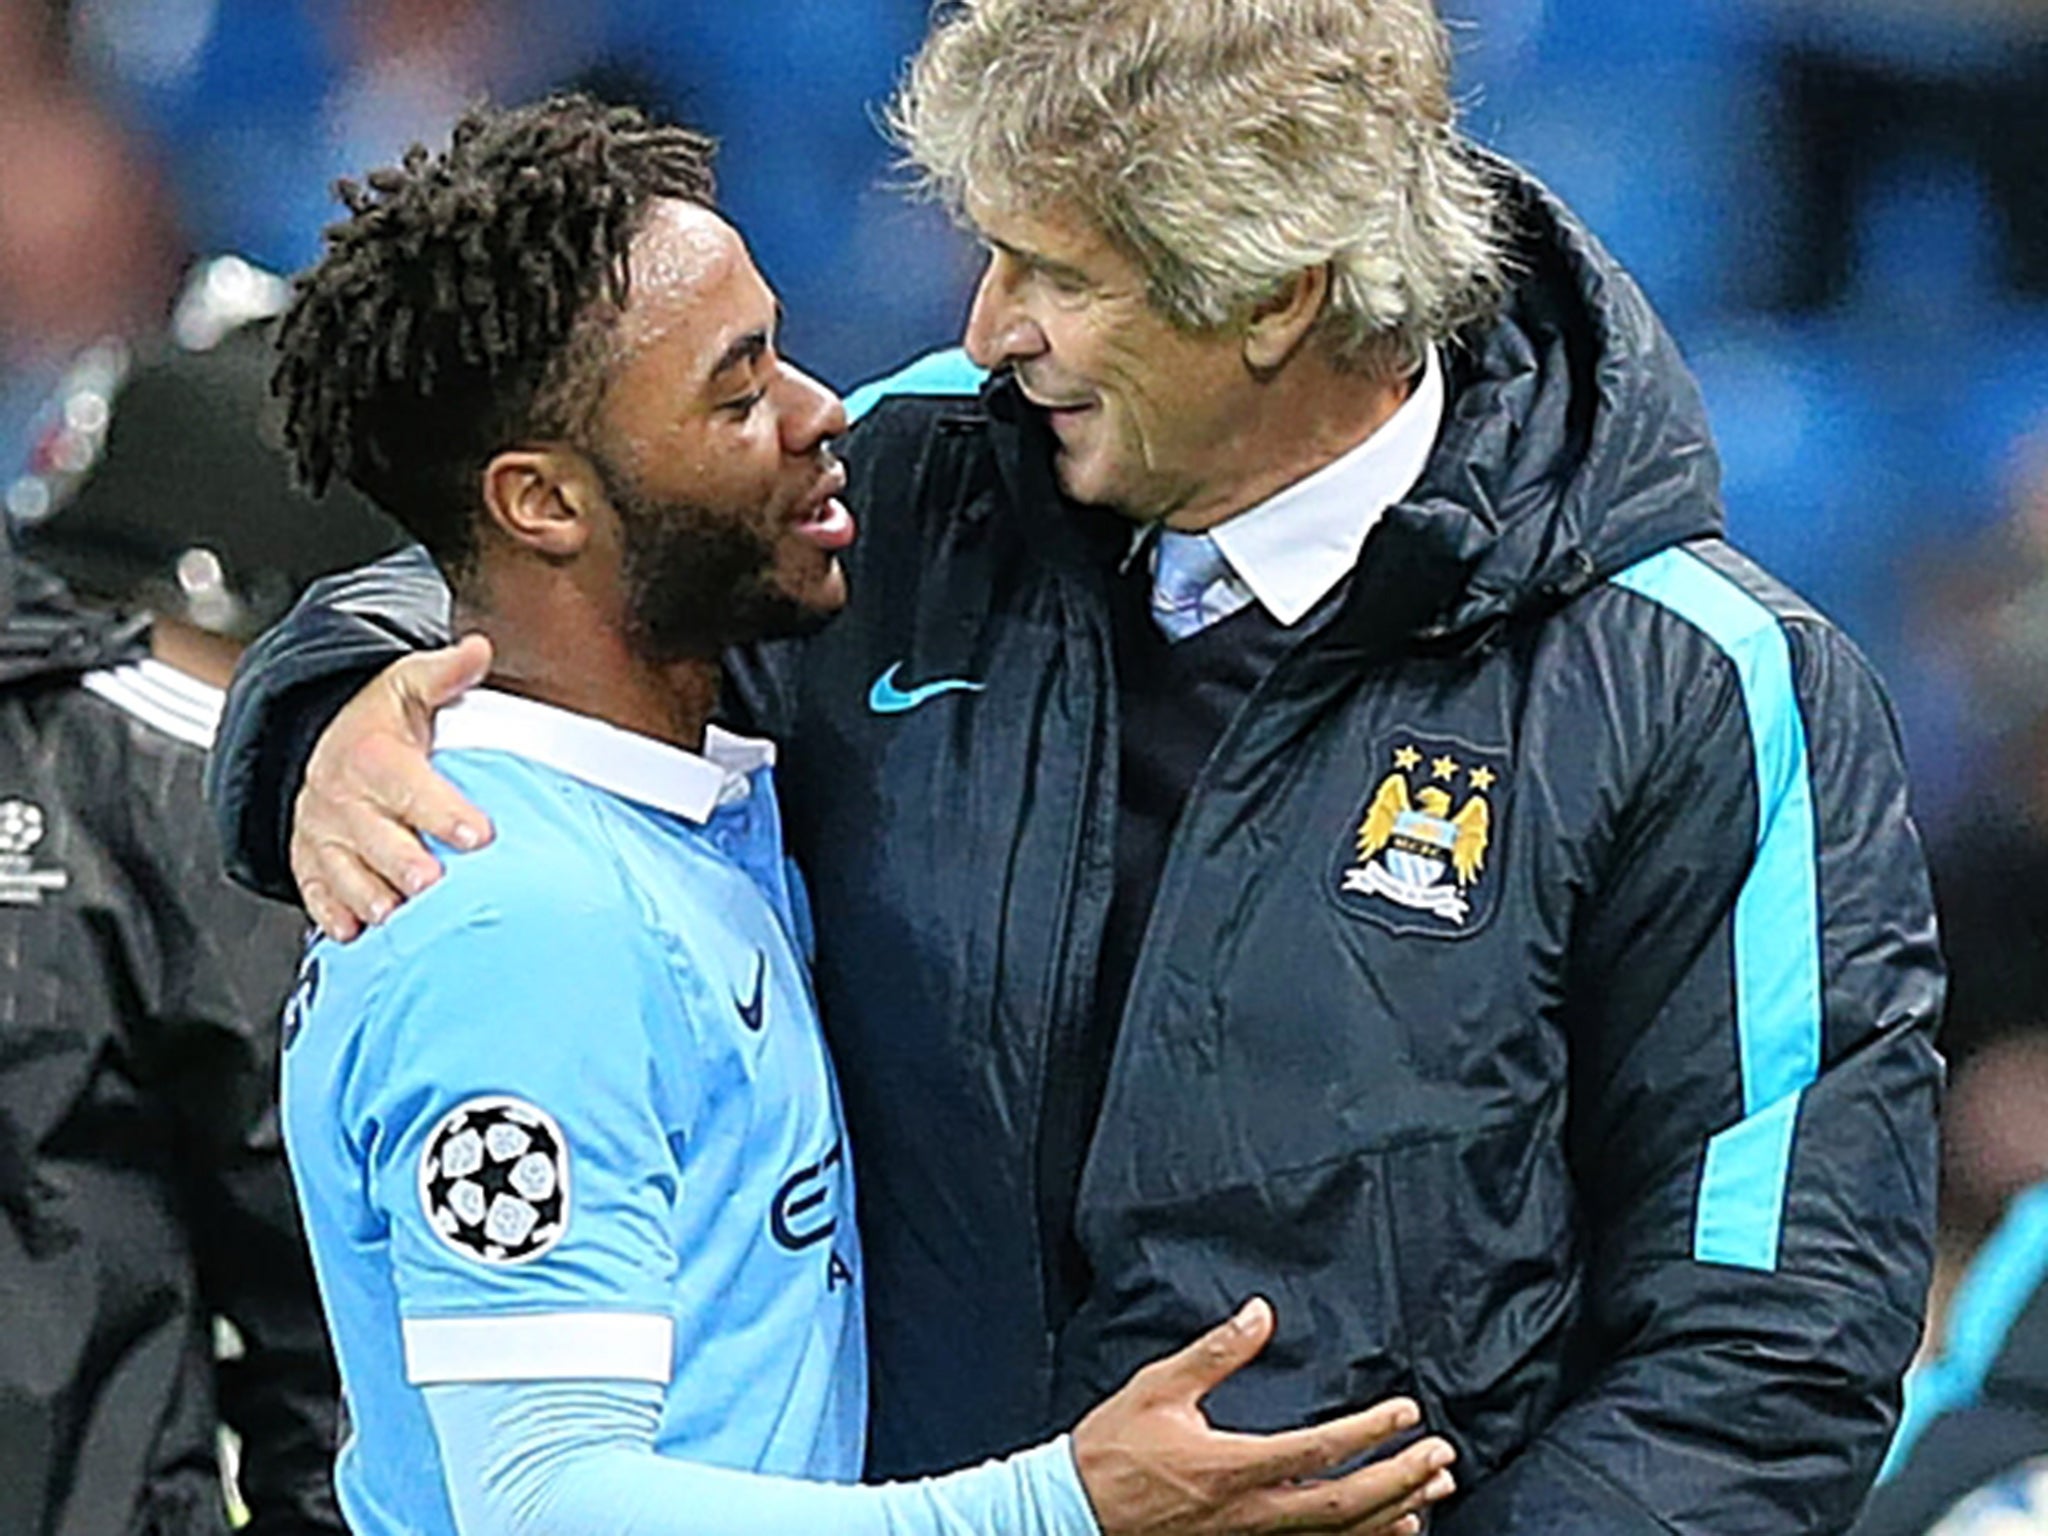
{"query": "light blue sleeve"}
(516, 1140)
(577, 1459)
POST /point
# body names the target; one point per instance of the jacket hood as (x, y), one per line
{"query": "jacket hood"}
(1575, 441)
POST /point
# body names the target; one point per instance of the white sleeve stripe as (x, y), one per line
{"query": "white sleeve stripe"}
(540, 1346)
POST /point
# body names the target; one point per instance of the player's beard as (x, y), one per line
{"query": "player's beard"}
(699, 581)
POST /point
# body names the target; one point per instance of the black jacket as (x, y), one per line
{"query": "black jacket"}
(1605, 1126)
(143, 1192)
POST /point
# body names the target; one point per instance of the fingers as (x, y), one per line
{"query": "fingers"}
(398, 799)
(1409, 1516)
(1374, 1499)
(340, 893)
(370, 795)
(1312, 1452)
(1191, 1373)
(329, 915)
(354, 852)
(433, 679)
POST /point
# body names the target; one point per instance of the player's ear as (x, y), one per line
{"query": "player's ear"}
(542, 499)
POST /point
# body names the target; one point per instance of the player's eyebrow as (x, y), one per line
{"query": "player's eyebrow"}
(747, 349)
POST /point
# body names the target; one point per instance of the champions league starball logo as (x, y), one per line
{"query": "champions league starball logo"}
(494, 1181)
(21, 826)
(22, 882)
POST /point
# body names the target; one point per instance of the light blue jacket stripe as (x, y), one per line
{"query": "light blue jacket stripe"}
(1994, 1292)
(936, 373)
(1777, 916)
(1742, 1189)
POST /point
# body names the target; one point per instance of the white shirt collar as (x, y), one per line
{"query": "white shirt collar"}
(621, 762)
(1292, 549)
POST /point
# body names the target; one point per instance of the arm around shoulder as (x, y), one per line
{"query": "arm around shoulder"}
(292, 683)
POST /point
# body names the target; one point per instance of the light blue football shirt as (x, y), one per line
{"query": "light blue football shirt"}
(568, 1115)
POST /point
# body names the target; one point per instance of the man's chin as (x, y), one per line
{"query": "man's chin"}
(1073, 480)
(793, 616)
(1086, 490)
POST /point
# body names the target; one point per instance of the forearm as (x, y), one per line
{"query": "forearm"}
(570, 1458)
(1745, 1427)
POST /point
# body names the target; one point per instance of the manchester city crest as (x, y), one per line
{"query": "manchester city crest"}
(1419, 856)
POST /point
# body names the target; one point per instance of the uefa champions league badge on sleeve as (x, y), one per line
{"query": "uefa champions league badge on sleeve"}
(24, 882)
(1421, 855)
(494, 1181)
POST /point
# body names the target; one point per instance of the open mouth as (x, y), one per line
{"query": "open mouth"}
(823, 519)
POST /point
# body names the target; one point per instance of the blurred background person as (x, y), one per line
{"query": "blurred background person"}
(87, 246)
(1971, 1454)
(153, 1278)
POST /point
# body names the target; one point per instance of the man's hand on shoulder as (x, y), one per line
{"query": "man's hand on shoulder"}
(1153, 1466)
(370, 795)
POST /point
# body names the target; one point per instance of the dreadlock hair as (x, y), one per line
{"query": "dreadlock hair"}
(465, 305)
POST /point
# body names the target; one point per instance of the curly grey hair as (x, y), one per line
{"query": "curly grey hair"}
(1227, 146)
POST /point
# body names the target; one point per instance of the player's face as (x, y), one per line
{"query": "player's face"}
(713, 449)
(1149, 417)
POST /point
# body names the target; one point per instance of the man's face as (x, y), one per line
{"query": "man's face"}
(712, 450)
(1149, 417)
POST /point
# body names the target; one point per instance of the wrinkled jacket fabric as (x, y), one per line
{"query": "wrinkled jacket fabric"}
(1626, 1171)
(143, 1191)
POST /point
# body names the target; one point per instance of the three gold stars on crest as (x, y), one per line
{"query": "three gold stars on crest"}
(1407, 759)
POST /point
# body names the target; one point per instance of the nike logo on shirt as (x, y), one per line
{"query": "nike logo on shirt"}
(886, 698)
(753, 1011)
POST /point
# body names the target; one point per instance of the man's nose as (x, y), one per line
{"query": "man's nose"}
(999, 329)
(815, 415)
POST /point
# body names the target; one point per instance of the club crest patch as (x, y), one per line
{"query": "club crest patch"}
(494, 1181)
(1419, 858)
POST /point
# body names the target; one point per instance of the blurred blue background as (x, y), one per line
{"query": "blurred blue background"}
(1836, 204)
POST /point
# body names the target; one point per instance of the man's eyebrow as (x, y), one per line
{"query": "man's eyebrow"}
(750, 348)
(747, 349)
(1033, 260)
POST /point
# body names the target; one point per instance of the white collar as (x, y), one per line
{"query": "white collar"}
(163, 696)
(621, 762)
(1294, 547)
